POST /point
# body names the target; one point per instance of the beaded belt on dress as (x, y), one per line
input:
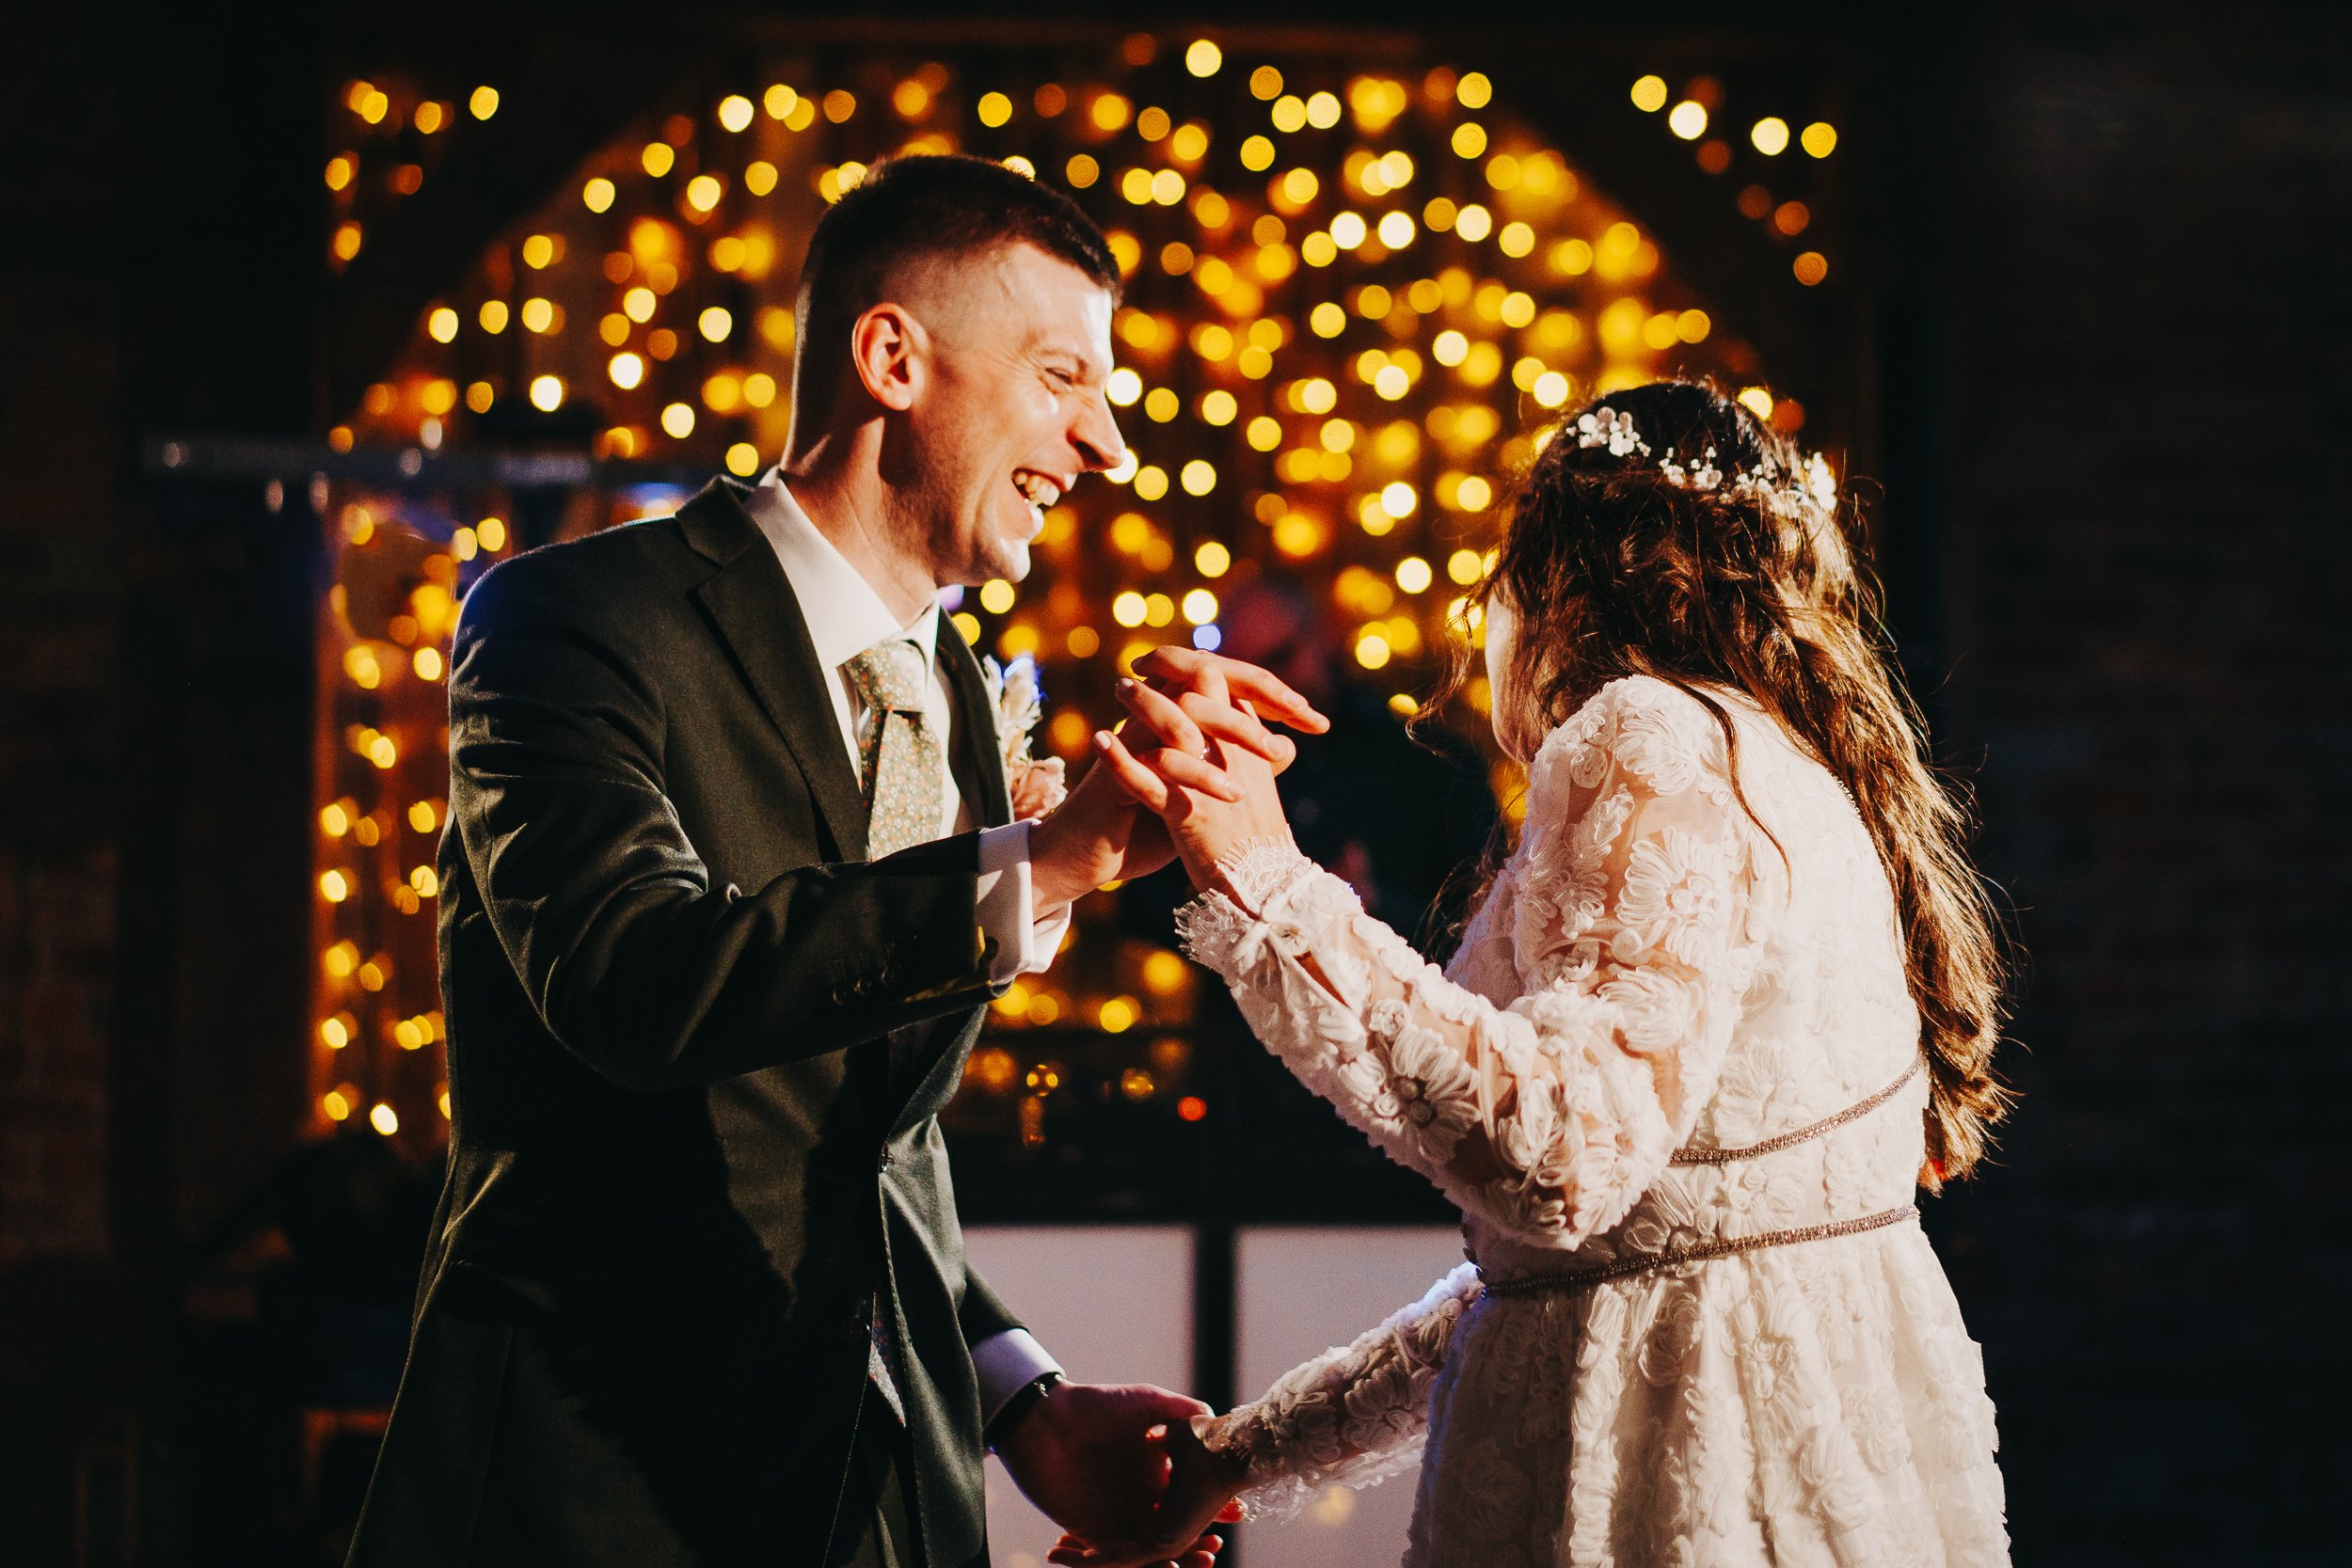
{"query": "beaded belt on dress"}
(1573, 1280)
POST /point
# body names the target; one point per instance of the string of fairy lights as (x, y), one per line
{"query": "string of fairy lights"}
(1352, 298)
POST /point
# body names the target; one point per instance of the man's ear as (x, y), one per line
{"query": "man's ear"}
(887, 345)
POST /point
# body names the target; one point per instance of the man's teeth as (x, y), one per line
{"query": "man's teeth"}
(1040, 490)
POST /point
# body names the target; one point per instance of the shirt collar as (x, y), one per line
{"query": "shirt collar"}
(844, 613)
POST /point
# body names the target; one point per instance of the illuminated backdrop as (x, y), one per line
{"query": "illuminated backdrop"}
(1354, 297)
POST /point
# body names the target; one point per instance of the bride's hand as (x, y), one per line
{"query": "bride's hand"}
(1209, 778)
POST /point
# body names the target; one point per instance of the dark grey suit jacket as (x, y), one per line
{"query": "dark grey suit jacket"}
(696, 1045)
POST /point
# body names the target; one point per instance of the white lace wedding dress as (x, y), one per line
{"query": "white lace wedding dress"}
(1653, 981)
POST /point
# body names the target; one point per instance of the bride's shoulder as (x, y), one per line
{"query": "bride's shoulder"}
(1656, 731)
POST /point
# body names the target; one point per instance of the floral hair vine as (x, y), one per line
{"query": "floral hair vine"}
(1815, 487)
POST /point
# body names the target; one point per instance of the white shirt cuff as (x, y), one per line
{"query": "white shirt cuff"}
(1006, 910)
(1005, 1364)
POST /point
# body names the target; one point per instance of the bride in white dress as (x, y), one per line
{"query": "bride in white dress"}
(1730, 998)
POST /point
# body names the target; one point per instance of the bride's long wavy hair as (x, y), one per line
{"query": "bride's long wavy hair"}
(1612, 570)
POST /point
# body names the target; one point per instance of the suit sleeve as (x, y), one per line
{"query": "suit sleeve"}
(635, 961)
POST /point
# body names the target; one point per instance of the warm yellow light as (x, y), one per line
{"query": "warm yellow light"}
(638, 305)
(1448, 347)
(702, 192)
(1199, 477)
(335, 1106)
(1211, 559)
(1264, 433)
(1392, 382)
(1756, 400)
(1692, 327)
(658, 158)
(1413, 575)
(993, 109)
(339, 171)
(1322, 110)
(1650, 94)
(779, 100)
(1203, 57)
(1770, 135)
(1819, 139)
(1550, 390)
(547, 393)
(628, 371)
(1372, 649)
(538, 315)
(716, 324)
(346, 241)
(1123, 387)
(1326, 320)
(1396, 229)
(1109, 111)
(426, 661)
(491, 531)
(334, 887)
(735, 111)
(760, 177)
(1687, 120)
(1219, 407)
(967, 625)
(742, 460)
(1338, 435)
(1160, 405)
(1158, 610)
(1473, 91)
(1348, 231)
(1116, 1016)
(1473, 222)
(1127, 609)
(484, 102)
(1257, 153)
(996, 596)
(384, 1119)
(1464, 566)
(493, 316)
(335, 1032)
(1472, 494)
(1470, 139)
(677, 420)
(1398, 499)
(425, 880)
(441, 325)
(1810, 268)
(1200, 607)
(423, 816)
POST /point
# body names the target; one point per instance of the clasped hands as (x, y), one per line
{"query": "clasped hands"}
(1198, 759)
(1189, 776)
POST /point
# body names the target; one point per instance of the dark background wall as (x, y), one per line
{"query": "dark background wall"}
(2099, 356)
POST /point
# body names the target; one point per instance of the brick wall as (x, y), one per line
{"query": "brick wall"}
(2145, 301)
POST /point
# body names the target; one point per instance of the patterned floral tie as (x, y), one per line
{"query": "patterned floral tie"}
(903, 771)
(901, 764)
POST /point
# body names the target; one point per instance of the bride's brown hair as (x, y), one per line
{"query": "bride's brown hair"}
(1612, 570)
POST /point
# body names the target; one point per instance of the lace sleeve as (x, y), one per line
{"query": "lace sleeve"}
(1550, 1117)
(1355, 1415)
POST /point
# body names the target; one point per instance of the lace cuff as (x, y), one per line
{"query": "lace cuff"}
(1217, 932)
(1353, 1416)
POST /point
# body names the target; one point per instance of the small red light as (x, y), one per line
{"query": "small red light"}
(1191, 1107)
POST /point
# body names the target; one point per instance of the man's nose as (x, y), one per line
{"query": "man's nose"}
(1096, 434)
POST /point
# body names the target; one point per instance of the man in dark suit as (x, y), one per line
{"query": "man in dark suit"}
(730, 877)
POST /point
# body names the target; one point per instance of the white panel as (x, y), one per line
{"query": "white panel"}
(1113, 1304)
(1300, 1290)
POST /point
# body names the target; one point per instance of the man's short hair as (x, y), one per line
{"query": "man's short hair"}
(926, 205)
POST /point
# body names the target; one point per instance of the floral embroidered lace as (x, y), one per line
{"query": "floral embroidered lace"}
(1652, 972)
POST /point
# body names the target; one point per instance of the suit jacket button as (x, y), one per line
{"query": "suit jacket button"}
(887, 1160)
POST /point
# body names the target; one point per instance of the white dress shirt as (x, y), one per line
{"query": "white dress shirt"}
(845, 617)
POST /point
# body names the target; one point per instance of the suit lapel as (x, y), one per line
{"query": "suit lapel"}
(979, 759)
(752, 607)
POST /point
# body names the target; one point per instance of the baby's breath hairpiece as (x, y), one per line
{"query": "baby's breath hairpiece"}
(1815, 486)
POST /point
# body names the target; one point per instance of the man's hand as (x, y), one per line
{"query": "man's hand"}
(1200, 1488)
(1094, 1459)
(1096, 835)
